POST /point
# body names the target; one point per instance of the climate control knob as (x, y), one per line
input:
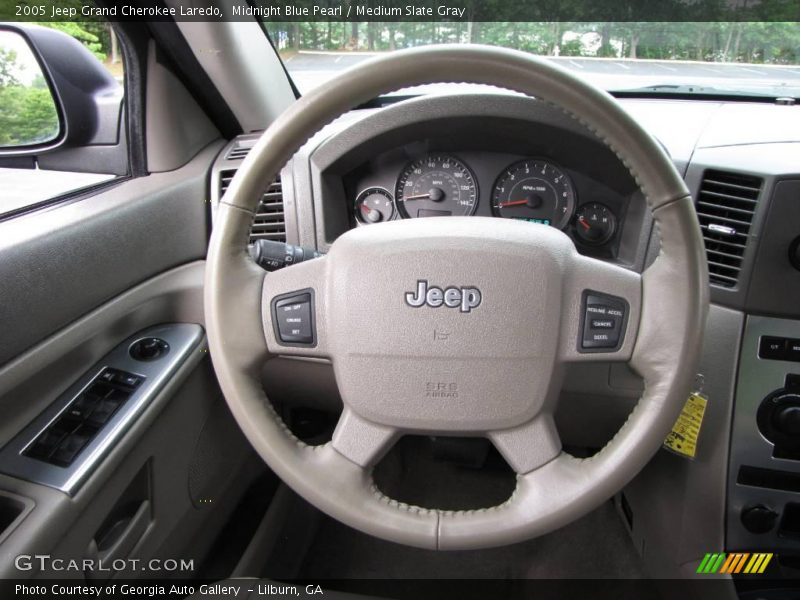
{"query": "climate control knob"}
(787, 419)
(778, 420)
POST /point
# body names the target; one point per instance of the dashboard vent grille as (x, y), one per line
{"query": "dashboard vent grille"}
(240, 149)
(725, 207)
(269, 223)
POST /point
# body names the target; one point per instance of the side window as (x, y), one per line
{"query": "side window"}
(55, 140)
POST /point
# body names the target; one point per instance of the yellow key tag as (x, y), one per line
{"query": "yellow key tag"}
(682, 439)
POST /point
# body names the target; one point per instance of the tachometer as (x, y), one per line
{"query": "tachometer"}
(437, 185)
(534, 190)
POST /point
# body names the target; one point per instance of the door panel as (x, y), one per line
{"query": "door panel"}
(58, 264)
(173, 296)
(79, 279)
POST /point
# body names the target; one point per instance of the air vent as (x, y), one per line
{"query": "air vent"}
(725, 206)
(269, 223)
(240, 149)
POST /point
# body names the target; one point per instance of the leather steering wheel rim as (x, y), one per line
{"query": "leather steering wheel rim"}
(668, 306)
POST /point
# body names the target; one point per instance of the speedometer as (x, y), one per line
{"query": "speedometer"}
(437, 185)
(534, 190)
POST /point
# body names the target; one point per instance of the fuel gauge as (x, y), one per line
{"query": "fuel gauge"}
(374, 205)
(595, 223)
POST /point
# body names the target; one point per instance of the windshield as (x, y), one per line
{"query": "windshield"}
(714, 58)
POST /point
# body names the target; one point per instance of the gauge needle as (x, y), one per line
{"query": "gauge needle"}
(584, 223)
(513, 203)
(370, 214)
(434, 194)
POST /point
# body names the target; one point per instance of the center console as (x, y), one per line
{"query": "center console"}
(764, 478)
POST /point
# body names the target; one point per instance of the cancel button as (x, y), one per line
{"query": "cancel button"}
(603, 323)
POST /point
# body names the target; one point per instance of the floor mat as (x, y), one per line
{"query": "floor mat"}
(594, 547)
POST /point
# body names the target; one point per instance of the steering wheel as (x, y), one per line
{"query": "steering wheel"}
(512, 297)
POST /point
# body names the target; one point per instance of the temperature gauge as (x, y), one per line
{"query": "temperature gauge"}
(374, 205)
(595, 223)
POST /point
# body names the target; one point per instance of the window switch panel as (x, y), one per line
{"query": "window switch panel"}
(63, 446)
(82, 419)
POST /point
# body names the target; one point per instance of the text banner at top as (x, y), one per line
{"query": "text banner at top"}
(403, 10)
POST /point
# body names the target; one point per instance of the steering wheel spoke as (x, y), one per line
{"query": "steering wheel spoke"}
(529, 446)
(601, 311)
(362, 442)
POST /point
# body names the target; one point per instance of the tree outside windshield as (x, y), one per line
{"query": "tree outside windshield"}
(603, 51)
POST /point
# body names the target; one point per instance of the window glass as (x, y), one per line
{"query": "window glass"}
(29, 117)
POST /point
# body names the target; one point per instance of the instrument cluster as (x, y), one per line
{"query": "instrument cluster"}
(532, 189)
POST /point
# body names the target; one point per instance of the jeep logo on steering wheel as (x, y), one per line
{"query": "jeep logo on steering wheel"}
(466, 298)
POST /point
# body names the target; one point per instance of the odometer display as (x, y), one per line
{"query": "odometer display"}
(536, 191)
(437, 185)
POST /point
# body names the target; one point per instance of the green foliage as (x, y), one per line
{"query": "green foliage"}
(28, 114)
(757, 42)
(572, 48)
(8, 72)
(88, 33)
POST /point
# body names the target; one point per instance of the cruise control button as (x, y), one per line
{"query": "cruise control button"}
(603, 323)
(772, 348)
(293, 317)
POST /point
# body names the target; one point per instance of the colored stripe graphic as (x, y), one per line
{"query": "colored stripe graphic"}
(734, 563)
(763, 565)
(729, 563)
(739, 565)
(704, 564)
(717, 563)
